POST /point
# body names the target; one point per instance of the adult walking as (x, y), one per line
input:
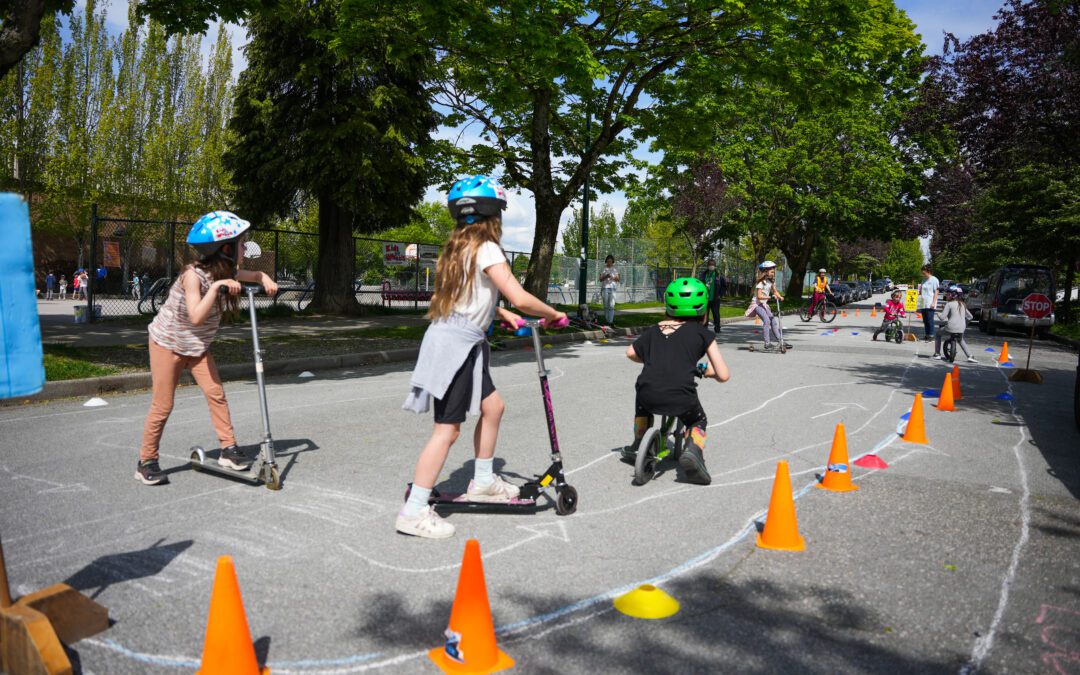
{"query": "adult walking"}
(50, 286)
(928, 297)
(609, 284)
(717, 287)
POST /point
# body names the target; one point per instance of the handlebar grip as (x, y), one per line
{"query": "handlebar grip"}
(560, 323)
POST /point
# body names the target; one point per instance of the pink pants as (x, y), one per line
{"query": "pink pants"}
(165, 369)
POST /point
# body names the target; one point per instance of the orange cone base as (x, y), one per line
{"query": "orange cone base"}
(448, 665)
(799, 545)
(262, 671)
(837, 485)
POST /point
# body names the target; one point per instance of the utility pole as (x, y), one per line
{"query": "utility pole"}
(584, 272)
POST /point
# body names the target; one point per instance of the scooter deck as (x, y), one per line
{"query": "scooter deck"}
(211, 466)
(460, 502)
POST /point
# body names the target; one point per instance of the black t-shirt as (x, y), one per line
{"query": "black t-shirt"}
(667, 384)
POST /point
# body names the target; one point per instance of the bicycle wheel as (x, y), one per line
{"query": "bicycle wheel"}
(828, 312)
(160, 295)
(949, 350)
(306, 296)
(804, 313)
(645, 463)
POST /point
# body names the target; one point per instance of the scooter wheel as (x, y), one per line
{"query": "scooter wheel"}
(566, 501)
(198, 456)
(272, 478)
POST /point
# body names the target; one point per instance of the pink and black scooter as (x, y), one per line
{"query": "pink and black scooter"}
(566, 498)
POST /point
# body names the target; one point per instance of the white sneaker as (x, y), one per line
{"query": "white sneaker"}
(936, 356)
(428, 524)
(498, 491)
(971, 359)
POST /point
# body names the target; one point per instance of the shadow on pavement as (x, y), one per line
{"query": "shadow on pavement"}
(120, 567)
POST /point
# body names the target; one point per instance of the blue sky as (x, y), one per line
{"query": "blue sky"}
(932, 18)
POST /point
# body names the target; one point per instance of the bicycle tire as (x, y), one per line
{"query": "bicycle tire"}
(949, 350)
(645, 462)
(828, 312)
(306, 296)
(804, 313)
(157, 300)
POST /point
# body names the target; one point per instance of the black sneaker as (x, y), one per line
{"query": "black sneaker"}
(769, 347)
(150, 473)
(629, 453)
(693, 464)
(231, 458)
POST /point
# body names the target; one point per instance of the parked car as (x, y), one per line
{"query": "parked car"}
(856, 292)
(841, 293)
(974, 296)
(866, 289)
(879, 286)
(1005, 292)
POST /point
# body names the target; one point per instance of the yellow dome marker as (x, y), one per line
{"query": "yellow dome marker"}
(647, 602)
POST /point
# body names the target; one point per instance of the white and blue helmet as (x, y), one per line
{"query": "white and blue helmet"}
(216, 229)
(767, 265)
(471, 199)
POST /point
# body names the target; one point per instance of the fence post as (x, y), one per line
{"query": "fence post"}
(91, 277)
(277, 252)
(416, 280)
(172, 251)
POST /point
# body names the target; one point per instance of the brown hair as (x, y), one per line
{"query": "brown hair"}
(926, 268)
(219, 266)
(456, 269)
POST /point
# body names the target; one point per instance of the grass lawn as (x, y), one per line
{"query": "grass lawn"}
(1069, 330)
(66, 363)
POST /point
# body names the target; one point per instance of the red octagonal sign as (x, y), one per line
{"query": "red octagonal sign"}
(1037, 306)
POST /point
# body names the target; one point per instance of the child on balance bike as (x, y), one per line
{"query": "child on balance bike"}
(667, 385)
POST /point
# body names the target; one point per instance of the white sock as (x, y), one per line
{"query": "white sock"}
(417, 501)
(484, 473)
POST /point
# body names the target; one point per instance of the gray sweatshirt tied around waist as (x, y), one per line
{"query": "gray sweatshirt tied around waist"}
(446, 345)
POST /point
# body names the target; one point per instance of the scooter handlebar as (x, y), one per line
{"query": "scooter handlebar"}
(223, 290)
(540, 323)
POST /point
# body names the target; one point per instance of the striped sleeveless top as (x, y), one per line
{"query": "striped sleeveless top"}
(172, 328)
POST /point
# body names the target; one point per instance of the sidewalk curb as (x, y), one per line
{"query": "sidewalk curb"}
(128, 382)
(1068, 342)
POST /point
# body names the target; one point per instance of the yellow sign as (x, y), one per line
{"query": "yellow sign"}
(911, 300)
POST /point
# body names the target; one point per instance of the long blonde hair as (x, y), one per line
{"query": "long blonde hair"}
(456, 269)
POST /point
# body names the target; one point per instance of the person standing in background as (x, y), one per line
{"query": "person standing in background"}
(63, 287)
(928, 297)
(717, 287)
(50, 285)
(609, 284)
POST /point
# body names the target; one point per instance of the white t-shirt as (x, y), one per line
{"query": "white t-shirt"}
(479, 306)
(610, 281)
(766, 287)
(926, 292)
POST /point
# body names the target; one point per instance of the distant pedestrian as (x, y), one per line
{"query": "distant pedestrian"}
(717, 286)
(50, 286)
(84, 284)
(63, 287)
(609, 284)
(76, 284)
(136, 287)
(928, 297)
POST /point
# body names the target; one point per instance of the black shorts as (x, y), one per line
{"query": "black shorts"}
(453, 406)
(694, 415)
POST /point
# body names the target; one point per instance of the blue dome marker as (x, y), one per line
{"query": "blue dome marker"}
(1004, 396)
(931, 393)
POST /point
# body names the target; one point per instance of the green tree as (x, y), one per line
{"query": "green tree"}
(529, 74)
(341, 125)
(602, 226)
(903, 261)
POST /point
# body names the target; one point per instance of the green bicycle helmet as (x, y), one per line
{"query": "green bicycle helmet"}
(686, 297)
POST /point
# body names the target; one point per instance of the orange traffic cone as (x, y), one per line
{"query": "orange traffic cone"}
(843, 314)
(838, 472)
(916, 429)
(945, 398)
(757, 320)
(781, 531)
(470, 637)
(956, 383)
(856, 311)
(873, 312)
(1004, 356)
(228, 649)
(918, 315)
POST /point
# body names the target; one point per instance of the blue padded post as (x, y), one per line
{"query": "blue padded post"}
(21, 369)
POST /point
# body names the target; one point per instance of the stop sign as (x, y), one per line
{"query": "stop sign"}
(1037, 306)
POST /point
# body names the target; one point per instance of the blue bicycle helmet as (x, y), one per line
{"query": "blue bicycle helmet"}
(214, 230)
(471, 199)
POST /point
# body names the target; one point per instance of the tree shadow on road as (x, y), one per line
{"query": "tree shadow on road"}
(117, 568)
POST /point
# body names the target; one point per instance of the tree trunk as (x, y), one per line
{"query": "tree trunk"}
(798, 262)
(336, 269)
(548, 211)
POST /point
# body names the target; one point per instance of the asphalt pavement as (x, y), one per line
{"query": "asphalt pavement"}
(961, 556)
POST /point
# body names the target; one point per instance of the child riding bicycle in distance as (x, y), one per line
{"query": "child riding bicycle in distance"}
(453, 365)
(955, 317)
(667, 384)
(821, 289)
(894, 311)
